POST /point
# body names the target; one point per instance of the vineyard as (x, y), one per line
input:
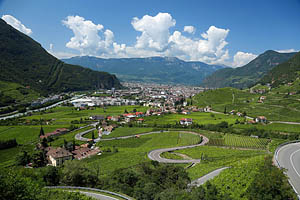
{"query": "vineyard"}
(236, 180)
(240, 141)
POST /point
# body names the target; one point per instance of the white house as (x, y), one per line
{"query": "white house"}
(186, 121)
(57, 156)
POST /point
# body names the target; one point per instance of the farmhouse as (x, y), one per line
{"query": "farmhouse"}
(84, 152)
(261, 119)
(186, 121)
(207, 109)
(97, 117)
(57, 156)
(140, 120)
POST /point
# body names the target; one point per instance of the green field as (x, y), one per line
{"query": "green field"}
(240, 141)
(25, 134)
(198, 117)
(64, 115)
(236, 180)
(283, 128)
(278, 106)
(133, 151)
(8, 156)
(17, 92)
(124, 131)
(215, 157)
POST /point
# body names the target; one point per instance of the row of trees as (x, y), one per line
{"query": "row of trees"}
(8, 143)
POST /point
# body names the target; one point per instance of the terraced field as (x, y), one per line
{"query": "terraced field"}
(240, 141)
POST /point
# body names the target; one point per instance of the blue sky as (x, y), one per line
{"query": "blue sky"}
(228, 32)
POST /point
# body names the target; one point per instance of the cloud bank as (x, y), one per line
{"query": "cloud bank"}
(155, 39)
(16, 24)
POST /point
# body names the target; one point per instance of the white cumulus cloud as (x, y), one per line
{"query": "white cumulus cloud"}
(155, 31)
(189, 29)
(286, 51)
(242, 58)
(87, 37)
(155, 39)
(210, 48)
(16, 24)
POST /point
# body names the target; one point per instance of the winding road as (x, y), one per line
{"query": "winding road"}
(155, 154)
(288, 157)
(206, 177)
(92, 192)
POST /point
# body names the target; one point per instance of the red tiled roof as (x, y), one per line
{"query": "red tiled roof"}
(58, 152)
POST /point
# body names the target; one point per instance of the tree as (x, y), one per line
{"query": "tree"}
(44, 142)
(93, 135)
(51, 175)
(42, 131)
(15, 186)
(77, 173)
(23, 158)
(65, 143)
(270, 184)
(39, 159)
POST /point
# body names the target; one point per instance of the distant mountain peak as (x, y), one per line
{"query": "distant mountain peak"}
(249, 74)
(150, 69)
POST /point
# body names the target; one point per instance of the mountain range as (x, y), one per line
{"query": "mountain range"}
(24, 61)
(286, 72)
(247, 75)
(167, 70)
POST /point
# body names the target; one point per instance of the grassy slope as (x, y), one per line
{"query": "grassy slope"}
(216, 157)
(237, 179)
(134, 150)
(198, 117)
(276, 107)
(17, 92)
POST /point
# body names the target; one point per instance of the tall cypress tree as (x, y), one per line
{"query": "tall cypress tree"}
(42, 131)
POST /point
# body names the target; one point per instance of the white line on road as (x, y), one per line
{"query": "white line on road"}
(293, 162)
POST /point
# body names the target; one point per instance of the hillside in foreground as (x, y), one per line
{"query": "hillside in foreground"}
(24, 61)
(247, 75)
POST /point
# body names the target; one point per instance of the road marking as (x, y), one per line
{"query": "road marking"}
(293, 163)
(285, 146)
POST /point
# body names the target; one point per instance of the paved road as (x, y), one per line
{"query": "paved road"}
(288, 157)
(280, 122)
(155, 154)
(92, 192)
(98, 196)
(40, 109)
(78, 136)
(207, 177)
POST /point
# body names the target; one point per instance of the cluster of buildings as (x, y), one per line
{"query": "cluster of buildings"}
(102, 101)
(154, 95)
(41, 101)
(57, 156)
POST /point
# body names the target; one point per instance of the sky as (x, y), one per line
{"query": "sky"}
(231, 32)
